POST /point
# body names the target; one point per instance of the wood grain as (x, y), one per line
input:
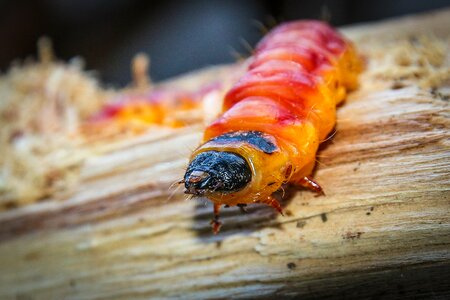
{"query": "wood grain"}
(381, 231)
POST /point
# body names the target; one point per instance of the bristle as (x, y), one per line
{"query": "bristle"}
(247, 46)
(261, 26)
(330, 136)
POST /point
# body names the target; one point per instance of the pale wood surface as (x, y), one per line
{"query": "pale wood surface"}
(382, 230)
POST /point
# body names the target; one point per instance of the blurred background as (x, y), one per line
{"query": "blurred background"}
(179, 36)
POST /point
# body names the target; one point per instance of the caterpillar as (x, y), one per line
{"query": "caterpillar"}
(274, 118)
(136, 111)
(143, 105)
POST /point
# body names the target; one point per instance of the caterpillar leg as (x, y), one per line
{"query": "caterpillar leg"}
(215, 223)
(310, 184)
(274, 203)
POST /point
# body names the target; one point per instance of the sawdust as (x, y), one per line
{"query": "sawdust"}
(42, 105)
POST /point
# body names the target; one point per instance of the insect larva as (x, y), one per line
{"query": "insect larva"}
(144, 105)
(138, 110)
(274, 117)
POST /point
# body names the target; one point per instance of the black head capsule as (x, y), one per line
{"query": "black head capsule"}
(216, 171)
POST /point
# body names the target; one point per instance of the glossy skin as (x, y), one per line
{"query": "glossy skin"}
(299, 73)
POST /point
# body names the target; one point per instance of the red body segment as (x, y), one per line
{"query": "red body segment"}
(298, 74)
(297, 65)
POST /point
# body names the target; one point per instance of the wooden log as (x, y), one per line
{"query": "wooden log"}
(381, 231)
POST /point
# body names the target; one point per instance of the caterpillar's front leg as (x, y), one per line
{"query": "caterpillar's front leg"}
(271, 201)
(215, 223)
(310, 184)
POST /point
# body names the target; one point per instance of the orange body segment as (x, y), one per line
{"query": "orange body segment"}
(299, 73)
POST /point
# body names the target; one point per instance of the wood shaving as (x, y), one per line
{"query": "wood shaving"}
(41, 107)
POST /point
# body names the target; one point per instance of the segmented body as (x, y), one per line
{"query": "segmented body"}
(298, 74)
(137, 110)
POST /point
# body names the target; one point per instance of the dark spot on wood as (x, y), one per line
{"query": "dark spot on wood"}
(301, 224)
(218, 244)
(433, 92)
(243, 207)
(397, 85)
(324, 217)
(288, 213)
(368, 213)
(10, 205)
(72, 283)
(371, 208)
(291, 266)
(352, 235)
(438, 95)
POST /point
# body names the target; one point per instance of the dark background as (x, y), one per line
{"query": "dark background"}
(179, 36)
